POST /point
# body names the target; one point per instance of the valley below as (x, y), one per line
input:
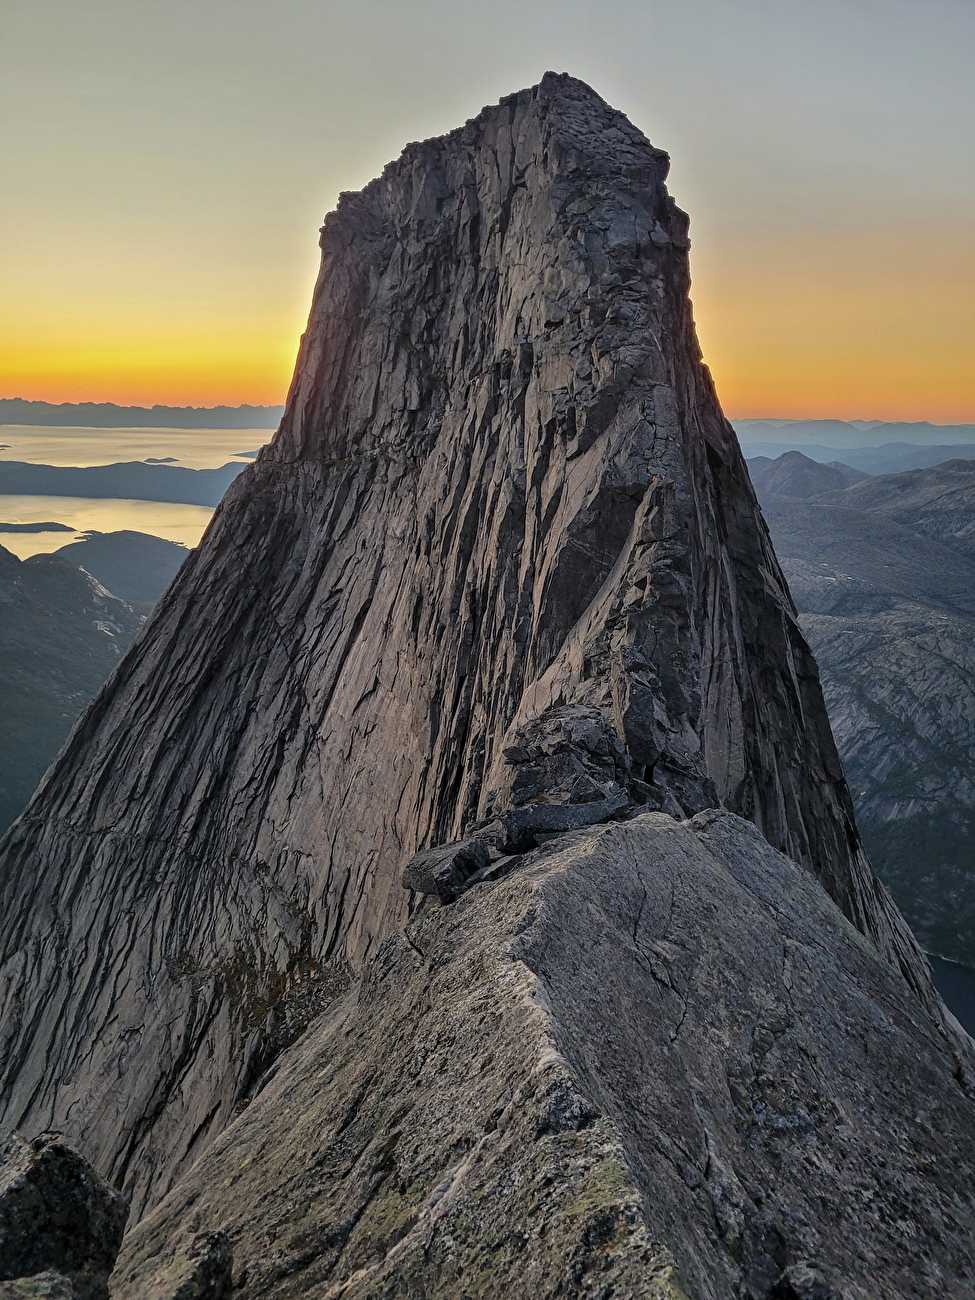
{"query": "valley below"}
(883, 576)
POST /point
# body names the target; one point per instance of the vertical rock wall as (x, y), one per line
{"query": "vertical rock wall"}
(503, 497)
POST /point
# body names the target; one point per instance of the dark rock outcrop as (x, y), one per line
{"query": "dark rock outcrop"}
(884, 580)
(133, 566)
(503, 514)
(655, 1062)
(794, 475)
(444, 871)
(61, 635)
(42, 1286)
(61, 1225)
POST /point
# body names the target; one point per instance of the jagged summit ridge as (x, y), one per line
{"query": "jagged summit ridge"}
(579, 119)
(461, 195)
(503, 516)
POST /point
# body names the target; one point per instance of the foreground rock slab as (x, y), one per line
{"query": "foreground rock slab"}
(654, 1061)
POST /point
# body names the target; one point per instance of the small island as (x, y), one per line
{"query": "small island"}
(36, 528)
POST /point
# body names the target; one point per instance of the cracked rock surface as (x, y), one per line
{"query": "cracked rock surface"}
(654, 1061)
(503, 514)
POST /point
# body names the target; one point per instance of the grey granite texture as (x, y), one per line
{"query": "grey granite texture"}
(503, 495)
(655, 1062)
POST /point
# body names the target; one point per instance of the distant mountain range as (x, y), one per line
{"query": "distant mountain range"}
(106, 415)
(130, 480)
(136, 567)
(62, 635)
(883, 575)
(795, 475)
(780, 433)
(65, 620)
(851, 433)
(892, 458)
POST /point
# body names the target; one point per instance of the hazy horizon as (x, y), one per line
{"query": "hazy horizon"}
(168, 168)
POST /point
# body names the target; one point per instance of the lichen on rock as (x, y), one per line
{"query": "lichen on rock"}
(654, 1061)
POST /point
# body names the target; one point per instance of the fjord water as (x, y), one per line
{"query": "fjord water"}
(173, 521)
(956, 984)
(192, 448)
(51, 445)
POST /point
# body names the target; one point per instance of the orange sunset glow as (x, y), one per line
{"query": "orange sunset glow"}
(848, 324)
(168, 168)
(800, 325)
(245, 363)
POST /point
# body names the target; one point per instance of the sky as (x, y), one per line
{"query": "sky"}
(166, 165)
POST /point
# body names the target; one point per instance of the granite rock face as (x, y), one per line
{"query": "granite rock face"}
(61, 1225)
(884, 581)
(503, 542)
(584, 1081)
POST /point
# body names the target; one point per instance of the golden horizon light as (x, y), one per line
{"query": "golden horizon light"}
(167, 168)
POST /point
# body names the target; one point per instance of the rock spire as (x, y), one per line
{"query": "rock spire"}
(502, 554)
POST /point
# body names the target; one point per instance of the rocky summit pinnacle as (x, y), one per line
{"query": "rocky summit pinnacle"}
(500, 577)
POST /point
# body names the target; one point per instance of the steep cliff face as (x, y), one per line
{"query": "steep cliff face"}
(502, 552)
